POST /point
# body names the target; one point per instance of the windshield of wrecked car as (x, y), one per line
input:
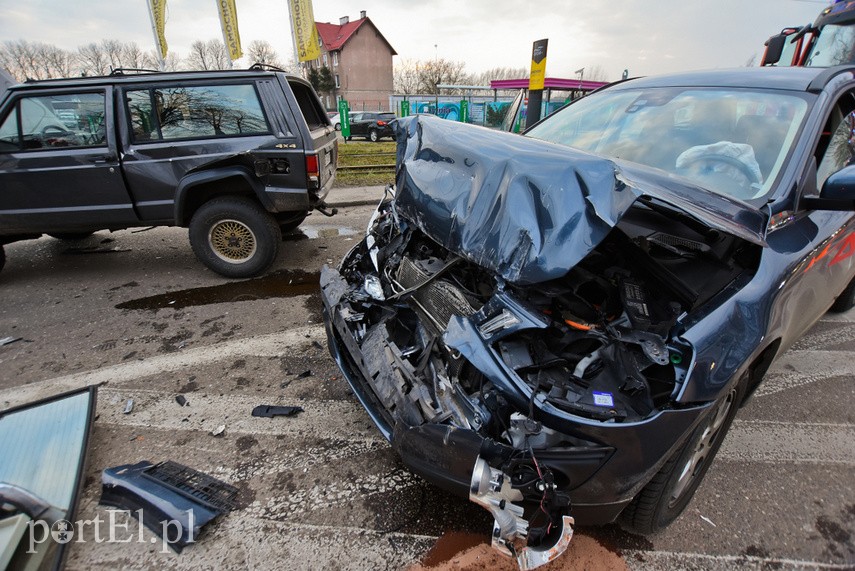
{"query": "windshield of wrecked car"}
(732, 142)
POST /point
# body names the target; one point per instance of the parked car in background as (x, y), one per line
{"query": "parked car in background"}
(238, 157)
(335, 119)
(372, 126)
(564, 324)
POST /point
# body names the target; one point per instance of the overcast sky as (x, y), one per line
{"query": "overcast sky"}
(644, 36)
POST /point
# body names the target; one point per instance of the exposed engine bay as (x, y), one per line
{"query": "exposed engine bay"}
(601, 343)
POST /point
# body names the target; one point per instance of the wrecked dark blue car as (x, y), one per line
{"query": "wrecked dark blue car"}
(563, 325)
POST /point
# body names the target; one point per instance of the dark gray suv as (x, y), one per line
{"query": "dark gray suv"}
(238, 157)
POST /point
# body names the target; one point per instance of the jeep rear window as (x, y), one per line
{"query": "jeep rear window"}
(310, 107)
(171, 113)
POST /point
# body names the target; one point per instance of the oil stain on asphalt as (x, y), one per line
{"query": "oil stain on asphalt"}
(283, 283)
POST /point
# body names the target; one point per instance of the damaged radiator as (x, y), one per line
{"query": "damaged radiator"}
(438, 300)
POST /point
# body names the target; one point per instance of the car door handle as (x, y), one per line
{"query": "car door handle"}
(102, 159)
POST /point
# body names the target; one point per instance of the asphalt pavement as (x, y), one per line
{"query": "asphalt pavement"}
(134, 312)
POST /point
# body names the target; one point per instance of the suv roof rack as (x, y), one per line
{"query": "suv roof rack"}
(265, 67)
(125, 70)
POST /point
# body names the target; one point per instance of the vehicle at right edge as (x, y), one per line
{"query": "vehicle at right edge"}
(564, 324)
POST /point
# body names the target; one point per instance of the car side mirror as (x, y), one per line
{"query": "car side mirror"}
(838, 192)
(774, 49)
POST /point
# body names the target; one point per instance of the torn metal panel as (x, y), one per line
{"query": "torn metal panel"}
(479, 193)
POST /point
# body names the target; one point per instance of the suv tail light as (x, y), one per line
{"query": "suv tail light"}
(313, 171)
(381, 123)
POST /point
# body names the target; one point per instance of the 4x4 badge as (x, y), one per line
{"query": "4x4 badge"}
(288, 146)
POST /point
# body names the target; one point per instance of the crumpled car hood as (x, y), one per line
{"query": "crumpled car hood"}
(529, 210)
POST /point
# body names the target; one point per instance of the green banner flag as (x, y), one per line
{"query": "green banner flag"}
(344, 115)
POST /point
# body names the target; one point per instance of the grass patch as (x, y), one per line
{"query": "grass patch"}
(357, 153)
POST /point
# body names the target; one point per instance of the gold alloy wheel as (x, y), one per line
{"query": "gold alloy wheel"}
(232, 241)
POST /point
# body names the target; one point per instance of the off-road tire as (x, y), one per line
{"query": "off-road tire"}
(234, 236)
(656, 506)
(846, 300)
(70, 236)
(373, 136)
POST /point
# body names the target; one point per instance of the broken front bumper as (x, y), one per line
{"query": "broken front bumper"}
(604, 469)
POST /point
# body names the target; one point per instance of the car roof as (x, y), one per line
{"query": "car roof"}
(786, 78)
(150, 78)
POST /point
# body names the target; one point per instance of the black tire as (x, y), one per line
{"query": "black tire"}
(2, 257)
(348, 138)
(668, 493)
(235, 237)
(373, 136)
(70, 236)
(846, 300)
(291, 223)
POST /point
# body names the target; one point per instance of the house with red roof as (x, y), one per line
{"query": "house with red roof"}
(360, 61)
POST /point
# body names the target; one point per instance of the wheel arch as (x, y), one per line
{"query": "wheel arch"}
(197, 188)
(758, 368)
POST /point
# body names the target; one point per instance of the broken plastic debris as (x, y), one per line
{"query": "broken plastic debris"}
(709, 521)
(129, 406)
(175, 501)
(269, 410)
(219, 431)
(8, 340)
(305, 374)
(182, 400)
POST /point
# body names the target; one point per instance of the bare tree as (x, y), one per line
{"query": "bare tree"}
(208, 55)
(260, 51)
(485, 77)
(113, 53)
(132, 56)
(406, 76)
(151, 60)
(21, 59)
(93, 60)
(596, 73)
(58, 62)
(432, 73)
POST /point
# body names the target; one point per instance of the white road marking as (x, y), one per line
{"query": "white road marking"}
(639, 560)
(321, 418)
(789, 442)
(819, 339)
(272, 345)
(798, 368)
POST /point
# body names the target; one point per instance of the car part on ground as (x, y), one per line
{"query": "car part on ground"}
(171, 498)
(552, 333)
(43, 446)
(270, 410)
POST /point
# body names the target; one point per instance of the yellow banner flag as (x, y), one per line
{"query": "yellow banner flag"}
(158, 21)
(537, 75)
(229, 23)
(305, 32)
